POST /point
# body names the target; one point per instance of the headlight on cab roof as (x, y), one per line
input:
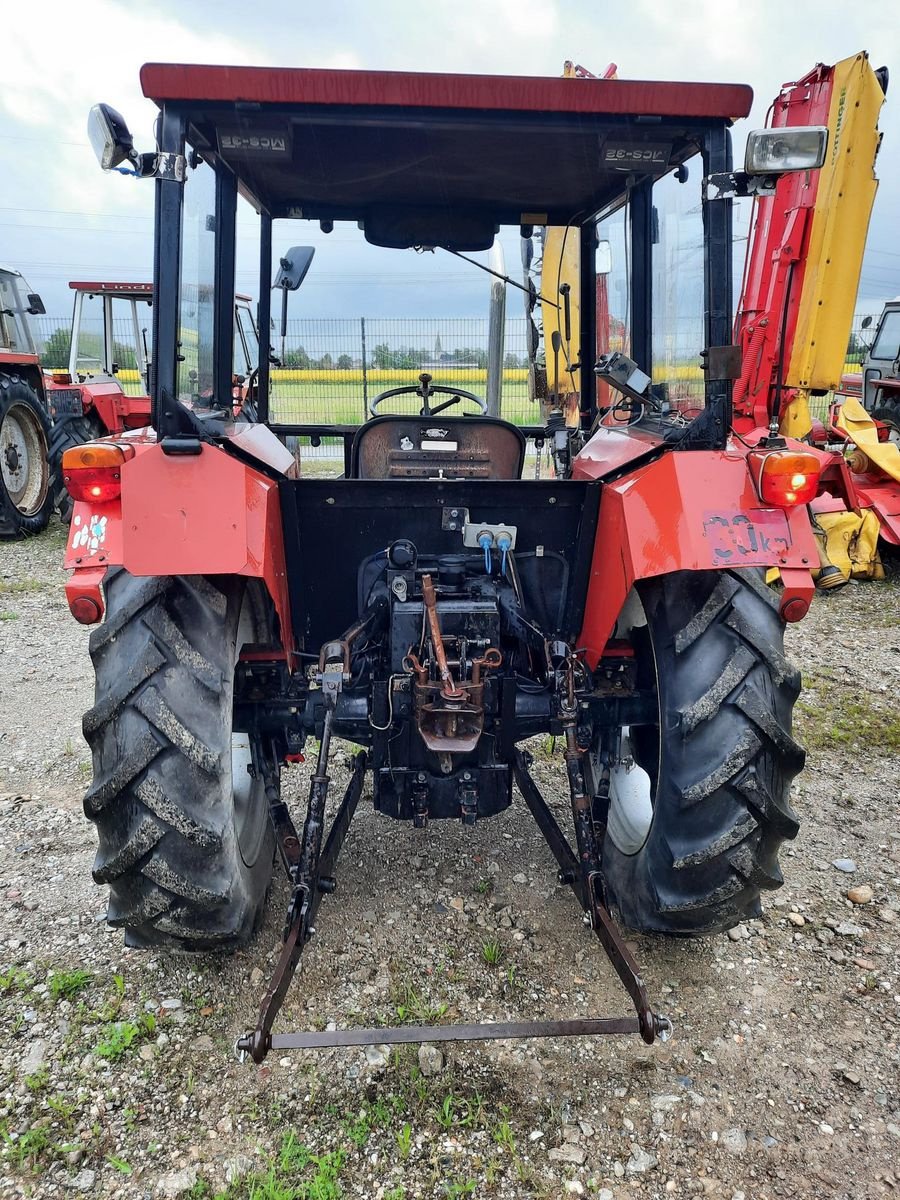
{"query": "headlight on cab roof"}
(771, 151)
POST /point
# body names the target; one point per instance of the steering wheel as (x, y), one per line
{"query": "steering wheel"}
(426, 391)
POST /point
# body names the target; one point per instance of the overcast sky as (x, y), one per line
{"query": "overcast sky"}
(61, 218)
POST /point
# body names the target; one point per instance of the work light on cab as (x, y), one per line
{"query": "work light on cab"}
(93, 472)
(773, 151)
(784, 478)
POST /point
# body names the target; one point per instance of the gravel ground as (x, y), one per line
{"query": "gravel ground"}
(781, 1080)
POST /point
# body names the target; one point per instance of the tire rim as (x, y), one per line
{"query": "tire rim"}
(251, 817)
(23, 459)
(630, 814)
(630, 801)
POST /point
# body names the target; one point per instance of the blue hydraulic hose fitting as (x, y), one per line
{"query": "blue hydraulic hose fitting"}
(485, 541)
(504, 541)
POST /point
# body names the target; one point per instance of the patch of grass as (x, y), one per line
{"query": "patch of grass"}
(28, 1150)
(15, 587)
(459, 1111)
(831, 714)
(396, 1193)
(39, 1080)
(121, 1035)
(404, 1141)
(492, 952)
(295, 1173)
(9, 616)
(66, 984)
(454, 1188)
(414, 1008)
(15, 980)
(484, 886)
(505, 1138)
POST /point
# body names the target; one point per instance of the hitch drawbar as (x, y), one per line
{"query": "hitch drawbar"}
(310, 869)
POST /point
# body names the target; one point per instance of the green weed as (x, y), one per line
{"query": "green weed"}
(15, 980)
(28, 1150)
(415, 1008)
(66, 984)
(119, 1164)
(404, 1141)
(39, 1080)
(491, 952)
(120, 1035)
(288, 1176)
(454, 1188)
(9, 616)
(505, 1138)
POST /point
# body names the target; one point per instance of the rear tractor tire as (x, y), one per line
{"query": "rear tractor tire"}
(186, 843)
(66, 434)
(25, 495)
(888, 411)
(699, 812)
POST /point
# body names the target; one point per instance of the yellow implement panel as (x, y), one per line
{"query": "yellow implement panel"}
(861, 429)
(837, 239)
(561, 264)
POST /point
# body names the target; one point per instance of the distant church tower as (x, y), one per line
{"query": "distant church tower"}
(438, 349)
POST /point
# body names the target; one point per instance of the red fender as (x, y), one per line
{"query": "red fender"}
(690, 511)
(206, 514)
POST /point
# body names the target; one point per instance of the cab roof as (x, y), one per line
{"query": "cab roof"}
(139, 291)
(334, 144)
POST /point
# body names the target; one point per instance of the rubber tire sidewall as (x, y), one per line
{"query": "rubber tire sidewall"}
(13, 523)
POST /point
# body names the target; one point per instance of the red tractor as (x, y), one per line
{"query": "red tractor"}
(436, 605)
(109, 347)
(25, 494)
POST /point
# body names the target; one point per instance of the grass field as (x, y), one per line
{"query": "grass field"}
(337, 397)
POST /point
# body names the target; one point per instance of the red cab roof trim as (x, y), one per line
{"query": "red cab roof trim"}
(79, 285)
(284, 86)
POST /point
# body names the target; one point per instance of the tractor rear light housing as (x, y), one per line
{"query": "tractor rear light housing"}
(93, 472)
(784, 478)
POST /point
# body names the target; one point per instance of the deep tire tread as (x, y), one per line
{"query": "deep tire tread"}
(722, 805)
(160, 733)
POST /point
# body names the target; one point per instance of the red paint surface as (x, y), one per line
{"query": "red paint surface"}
(205, 515)
(689, 511)
(777, 259)
(265, 85)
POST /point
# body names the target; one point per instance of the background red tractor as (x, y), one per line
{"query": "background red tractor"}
(105, 388)
(25, 495)
(436, 605)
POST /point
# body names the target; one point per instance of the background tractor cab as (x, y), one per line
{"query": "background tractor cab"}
(105, 390)
(878, 384)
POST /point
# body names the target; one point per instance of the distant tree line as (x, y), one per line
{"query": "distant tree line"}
(385, 359)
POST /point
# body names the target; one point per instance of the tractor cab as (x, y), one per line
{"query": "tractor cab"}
(111, 334)
(439, 164)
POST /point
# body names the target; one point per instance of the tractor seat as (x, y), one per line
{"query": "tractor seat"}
(476, 447)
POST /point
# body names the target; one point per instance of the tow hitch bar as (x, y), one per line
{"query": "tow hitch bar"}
(311, 868)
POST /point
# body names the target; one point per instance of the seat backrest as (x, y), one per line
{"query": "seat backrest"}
(395, 447)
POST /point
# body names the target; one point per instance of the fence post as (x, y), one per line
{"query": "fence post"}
(365, 381)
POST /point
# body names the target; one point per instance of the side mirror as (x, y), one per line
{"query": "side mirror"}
(293, 267)
(291, 273)
(604, 258)
(866, 322)
(35, 305)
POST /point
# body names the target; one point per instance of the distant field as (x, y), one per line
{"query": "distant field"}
(336, 397)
